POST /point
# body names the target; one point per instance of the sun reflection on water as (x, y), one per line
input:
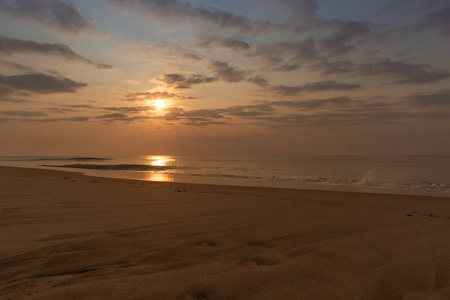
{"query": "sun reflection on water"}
(158, 177)
(160, 160)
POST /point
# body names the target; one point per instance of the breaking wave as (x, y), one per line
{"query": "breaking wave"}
(366, 181)
(122, 167)
(80, 159)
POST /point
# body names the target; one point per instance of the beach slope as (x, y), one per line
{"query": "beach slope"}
(68, 236)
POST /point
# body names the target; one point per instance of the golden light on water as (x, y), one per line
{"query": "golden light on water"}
(159, 160)
(158, 177)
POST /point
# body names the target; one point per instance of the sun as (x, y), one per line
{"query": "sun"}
(160, 104)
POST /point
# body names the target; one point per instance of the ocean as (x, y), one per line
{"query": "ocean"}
(424, 175)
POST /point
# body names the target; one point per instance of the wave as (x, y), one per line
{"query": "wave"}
(81, 159)
(122, 167)
(367, 181)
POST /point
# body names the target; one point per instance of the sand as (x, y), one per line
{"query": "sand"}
(69, 236)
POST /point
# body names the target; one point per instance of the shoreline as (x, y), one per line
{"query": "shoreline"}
(65, 235)
(205, 180)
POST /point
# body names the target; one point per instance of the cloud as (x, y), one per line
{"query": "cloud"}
(245, 111)
(350, 118)
(440, 98)
(184, 10)
(39, 84)
(85, 106)
(258, 80)
(58, 15)
(297, 10)
(23, 113)
(184, 82)
(60, 110)
(215, 40)
(221, 70)
(439, 21)
(10, 46)
(204, 117)
(224, 72)
(49, 120)
(13, 66)
(129, 109)
(313, 87)
(200, 117)
(177, 113)
(167, 52)
(73, 119)
(120, 117)
(142, 96)
(398, 71)
(315, 104)
(298, 51)
(286, 56)
(12, 100)
(112, 116)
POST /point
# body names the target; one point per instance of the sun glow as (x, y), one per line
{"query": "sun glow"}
(160, 104)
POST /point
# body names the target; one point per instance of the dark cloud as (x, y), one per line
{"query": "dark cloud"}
(315, 104)
(184, 10)
(60, 110)
(49, 120)
(13, 66)
(333, 45)
(351, 118)
(84, 106)
(313, 87)
(184, 82)
(397, 71)
(177, 113)
(23, 113)
(224, 72)
(59, 15)
(439, 21)
(202, 122)
(73, 119)
(441, 98)
(286, 56)
(416, 5)
(200, 117)
(129, 109)
(168, 52)
(299, 10)
(245, 111)
(204, 117)
(121, 117)
(38, 83)
(112, 116)
(10, 46)
(141, 96)
(258, 80)
(12, 100)
(215, 40)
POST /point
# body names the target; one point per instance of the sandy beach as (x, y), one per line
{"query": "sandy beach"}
(69, 236)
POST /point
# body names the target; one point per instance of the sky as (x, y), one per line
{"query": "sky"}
(235, 77)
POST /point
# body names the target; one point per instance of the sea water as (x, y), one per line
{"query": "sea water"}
(428, 175)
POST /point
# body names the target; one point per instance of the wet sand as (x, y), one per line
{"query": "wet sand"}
(64, 235)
